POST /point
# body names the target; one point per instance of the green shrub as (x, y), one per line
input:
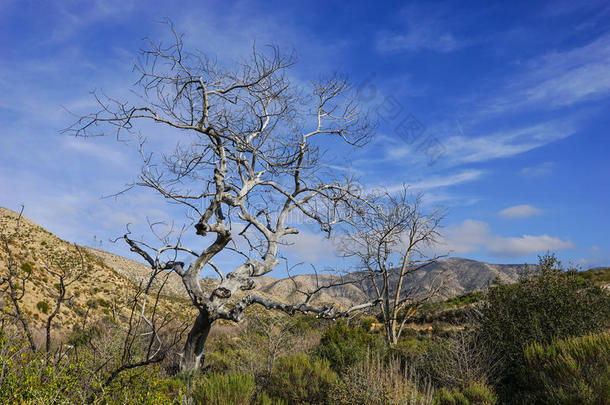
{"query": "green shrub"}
(43, 307)
(224, 389)
(142, 386)
(474, 394)
(27, 268)
(91, 303)
(480, 394)
(572, 370)
(230, 357)
(540, 307)
(344, 346)
(367, 322)
(103, 303)
(81, 336)
(444, 397)
(300, 379)
(263, 398)
(27, 378)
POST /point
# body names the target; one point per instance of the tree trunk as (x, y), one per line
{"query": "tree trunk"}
(392, 336)
(193, 356)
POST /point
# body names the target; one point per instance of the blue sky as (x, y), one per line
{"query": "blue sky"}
(510, 101)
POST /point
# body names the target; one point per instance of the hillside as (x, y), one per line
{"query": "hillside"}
(98, 290)
(110, 279)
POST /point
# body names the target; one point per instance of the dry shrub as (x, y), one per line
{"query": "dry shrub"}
(377, 382)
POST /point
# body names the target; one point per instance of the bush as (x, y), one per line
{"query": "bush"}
(571, 371)
(223, 389)
(538, 308)
(475, 394)
(481, 394)
(300, 379)
(27, 378)
(456, 362)
(263, 399)
(344, 346)
(228, 356)
(378, 382)
(43, 307)
(142, 386)
(27, 268)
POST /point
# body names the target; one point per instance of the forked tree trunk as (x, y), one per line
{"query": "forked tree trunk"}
(193, 356)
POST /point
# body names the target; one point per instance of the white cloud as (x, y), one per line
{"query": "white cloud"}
(310, 247)
(580, 84)
(72, 20)
(520, 211)
(559, 79)
(466, 237)
(462, 149)
(526, 245)
(446, 181)
(476, 236)
(539, 170)
(437, 181)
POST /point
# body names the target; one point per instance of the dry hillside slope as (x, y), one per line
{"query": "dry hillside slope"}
(100, 291)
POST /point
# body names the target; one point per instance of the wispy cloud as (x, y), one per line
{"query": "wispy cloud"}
(86, 147)
(476, 236)
(71, 22)
(478, 145)
(422, 30)
(418, 37)
(463, 149)
(436, 181)
(555, 80)
(559, 79)
(520, 211)
(448, 180)
(539, 170)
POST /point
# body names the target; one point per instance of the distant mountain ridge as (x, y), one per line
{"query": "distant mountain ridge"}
(455, 276)
(458, 276)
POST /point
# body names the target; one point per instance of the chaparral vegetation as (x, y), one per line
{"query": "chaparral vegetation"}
(241, 154)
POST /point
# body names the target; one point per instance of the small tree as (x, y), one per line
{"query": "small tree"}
(248, 158)
(387, 234)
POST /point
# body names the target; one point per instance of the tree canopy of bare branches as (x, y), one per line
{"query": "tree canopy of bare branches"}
(388, 234)
(248, 159)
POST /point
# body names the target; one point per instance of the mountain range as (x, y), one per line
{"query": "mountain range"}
(109, 274)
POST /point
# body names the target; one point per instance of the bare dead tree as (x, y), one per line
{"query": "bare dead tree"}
(147, 336)
(387, 234)
(14, 281)
(67, 273)
(247, 161)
